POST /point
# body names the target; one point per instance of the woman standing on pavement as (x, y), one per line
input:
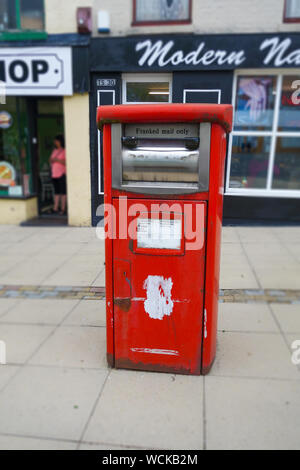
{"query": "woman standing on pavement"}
(58, 173)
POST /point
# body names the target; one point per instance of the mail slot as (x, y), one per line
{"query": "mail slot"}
(155, 157)
(164, 179)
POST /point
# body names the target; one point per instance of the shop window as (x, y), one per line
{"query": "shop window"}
(255, 103)
(16, 178)
(146, 89)
(264, 154)
(21, 16)
(148, 12)
(292, 11)
(250, 157)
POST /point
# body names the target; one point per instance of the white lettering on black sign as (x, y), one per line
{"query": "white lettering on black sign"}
(164, 55)
(277, 53)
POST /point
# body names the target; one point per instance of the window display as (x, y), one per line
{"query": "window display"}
(266, 136)
(249, 164)
(289, 119)
(255, 103)
(15, 153)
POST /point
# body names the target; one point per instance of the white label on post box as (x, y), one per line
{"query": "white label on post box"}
(159, 233)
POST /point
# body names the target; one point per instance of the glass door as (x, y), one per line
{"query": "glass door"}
(50, 122)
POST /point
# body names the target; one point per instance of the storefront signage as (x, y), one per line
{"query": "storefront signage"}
(194, 52)
(162, 131)
(36, 71)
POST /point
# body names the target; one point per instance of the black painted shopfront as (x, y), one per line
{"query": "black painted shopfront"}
(258, 73)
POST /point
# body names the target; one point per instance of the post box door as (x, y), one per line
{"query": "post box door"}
(158, 286)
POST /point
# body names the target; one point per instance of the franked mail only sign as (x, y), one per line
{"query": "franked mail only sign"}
(162, 131)
(37, 71)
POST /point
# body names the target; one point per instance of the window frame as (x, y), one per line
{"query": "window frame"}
(146, 77)
(287, 19)
(273, 133)
(135, 22)
(19, 34)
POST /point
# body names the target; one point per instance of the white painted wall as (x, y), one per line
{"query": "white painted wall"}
(209, 16)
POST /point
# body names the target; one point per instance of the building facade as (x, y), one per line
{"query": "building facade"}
(152, 51)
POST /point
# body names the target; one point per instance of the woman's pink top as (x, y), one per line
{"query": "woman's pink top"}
(58, 169)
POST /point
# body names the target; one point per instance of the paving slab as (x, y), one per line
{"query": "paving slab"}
(33, 270)
(32, 443)
(287, 234)
(85, 446)
(72, 346)
(88, 313)
(9, 261)
(288, 317)
(6, 305)
(256, 235)
(237, 274)
(253, 355)
(22, 340)
(251, 414)
(100, 279)
(229, 235)
(6, 373)
(246, 317)
(159, 411)
(285, 276)
(49, 402)
(74, 273)
(39, 311)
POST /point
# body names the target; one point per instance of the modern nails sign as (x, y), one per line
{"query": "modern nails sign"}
(179, 52)
(36, 71)
(162, 54)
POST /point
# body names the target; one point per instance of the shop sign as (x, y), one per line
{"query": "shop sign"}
(195, 52)
(36, 70)
(276, 53)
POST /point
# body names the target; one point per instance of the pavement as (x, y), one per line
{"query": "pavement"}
(56, 391)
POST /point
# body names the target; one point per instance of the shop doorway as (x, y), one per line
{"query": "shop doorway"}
(49, 124)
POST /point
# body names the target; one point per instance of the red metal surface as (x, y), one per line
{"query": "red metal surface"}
(108, 250)
(191, 328)
(172, 341)
(213, 245)
(176, 112)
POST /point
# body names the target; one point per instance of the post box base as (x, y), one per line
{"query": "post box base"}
(127, 364)
(206, 370)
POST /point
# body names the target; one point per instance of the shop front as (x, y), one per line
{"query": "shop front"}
(258, 73)
(36, 79)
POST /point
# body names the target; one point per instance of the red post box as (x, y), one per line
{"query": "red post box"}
(164, 177)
